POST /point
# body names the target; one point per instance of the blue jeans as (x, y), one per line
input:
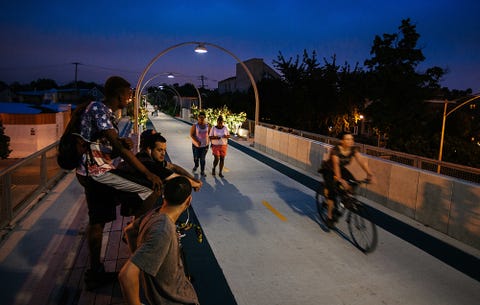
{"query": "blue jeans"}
(199, 154)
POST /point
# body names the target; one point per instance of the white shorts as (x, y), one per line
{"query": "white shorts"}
(123, 184)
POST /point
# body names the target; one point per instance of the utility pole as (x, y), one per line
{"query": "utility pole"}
(202, 78)
(76, 73)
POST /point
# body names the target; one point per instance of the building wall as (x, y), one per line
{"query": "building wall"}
(30, 133)
(241, 81)
(227, 85)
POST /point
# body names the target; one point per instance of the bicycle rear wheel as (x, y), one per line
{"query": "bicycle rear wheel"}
(322, 207)
(362, 230)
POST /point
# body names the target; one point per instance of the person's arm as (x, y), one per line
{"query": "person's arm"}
(193, 135)
(196, 184)
(129, 157)
(226, 133)
(130, 283)
(364, 165)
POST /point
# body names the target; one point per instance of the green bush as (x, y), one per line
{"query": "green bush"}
(233, 120)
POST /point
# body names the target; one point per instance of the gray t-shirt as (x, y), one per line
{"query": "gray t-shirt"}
(158, 256)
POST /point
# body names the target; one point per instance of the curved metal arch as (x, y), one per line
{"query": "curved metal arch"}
(150, 64)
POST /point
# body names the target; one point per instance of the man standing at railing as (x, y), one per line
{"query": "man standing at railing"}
(98, 127)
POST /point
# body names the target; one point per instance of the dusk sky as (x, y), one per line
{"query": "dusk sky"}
(41, 39)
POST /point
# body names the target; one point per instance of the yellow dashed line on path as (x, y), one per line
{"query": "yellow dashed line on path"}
(274, 211)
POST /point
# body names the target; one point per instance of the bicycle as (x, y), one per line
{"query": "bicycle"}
(362, 231)
(182, 227)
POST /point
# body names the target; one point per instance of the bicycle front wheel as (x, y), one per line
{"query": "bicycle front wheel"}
(362, 230)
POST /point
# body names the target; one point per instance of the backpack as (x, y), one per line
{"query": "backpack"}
(72, 146)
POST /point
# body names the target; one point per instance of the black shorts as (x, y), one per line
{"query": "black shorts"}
(331, 185)
(101, 200)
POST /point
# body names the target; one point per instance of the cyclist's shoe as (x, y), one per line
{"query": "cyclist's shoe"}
(336, 215)
(97, 278)
(330, 223)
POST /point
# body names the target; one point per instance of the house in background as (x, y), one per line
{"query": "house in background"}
(55, 96)
(39, 117)
(241, 82)
(32, 127)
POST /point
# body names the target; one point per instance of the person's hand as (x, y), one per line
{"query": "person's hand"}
(371, 179)
(347, 187)
(156, 181)
(196, 185)
(126, 142)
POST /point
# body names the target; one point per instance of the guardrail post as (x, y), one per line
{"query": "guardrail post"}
(43, 170)
(6, 210)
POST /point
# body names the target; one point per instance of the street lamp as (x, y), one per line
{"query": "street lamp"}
(445, 115)
(200, 48)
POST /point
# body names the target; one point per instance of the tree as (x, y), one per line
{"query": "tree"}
(397, 89)
(4, 143)
(43, 84)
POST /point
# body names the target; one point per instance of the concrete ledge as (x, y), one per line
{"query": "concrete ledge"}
(446, 204)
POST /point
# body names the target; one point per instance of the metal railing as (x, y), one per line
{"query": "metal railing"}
(449, 169)
(28, 178)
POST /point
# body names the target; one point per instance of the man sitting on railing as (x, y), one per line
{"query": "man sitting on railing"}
(153, 149)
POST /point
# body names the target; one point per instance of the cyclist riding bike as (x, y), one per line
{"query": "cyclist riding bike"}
(336, 175)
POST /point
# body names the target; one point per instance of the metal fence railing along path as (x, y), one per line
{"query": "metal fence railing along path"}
(448, 169)
(24, 181)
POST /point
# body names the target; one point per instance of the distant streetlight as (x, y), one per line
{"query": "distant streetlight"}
(171, 75)
(200, 48)
(445, 115)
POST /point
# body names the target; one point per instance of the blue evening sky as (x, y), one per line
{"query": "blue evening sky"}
(41, 39)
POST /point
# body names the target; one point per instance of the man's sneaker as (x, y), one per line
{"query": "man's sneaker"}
(195, 168)
(97, 278)
(203, 174)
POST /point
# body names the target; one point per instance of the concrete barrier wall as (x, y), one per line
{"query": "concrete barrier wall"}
(449, 205)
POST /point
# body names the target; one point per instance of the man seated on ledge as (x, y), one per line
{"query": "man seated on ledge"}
(153, 149)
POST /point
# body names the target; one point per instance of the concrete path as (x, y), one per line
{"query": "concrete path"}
(264, 232)
(263, 244)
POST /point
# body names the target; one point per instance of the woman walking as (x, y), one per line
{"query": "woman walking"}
(200, 141)
(219, 135)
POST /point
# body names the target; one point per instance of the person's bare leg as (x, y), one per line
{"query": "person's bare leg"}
(215, 163)
(94, 238)
(220, 166)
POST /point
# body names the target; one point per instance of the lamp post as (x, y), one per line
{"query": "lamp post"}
(444, 119)
(200, 48)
